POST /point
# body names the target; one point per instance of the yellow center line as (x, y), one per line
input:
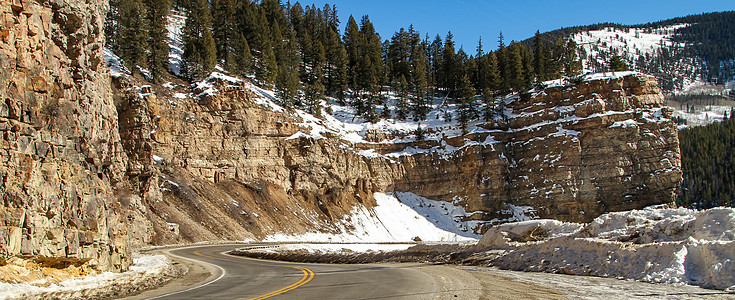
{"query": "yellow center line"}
(308, 275)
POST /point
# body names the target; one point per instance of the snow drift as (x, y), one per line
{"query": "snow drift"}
(679, 246)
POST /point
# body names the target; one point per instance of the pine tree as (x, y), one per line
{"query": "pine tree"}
(200, 51)
(466, 111)
(353, 40)
(572, 66)
(493, 85)
(451, 70)
(132, 36)
(266, 67)
(539, 58)
(242, 57)
(617, 64)
(516, 76)
(435, 53)
(314, 90)
(336, 70)
(158, 48)
(225, 32)
(403, 105)
(420, 74)
(287, 78)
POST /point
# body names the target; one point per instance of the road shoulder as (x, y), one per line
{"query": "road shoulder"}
(194, 273)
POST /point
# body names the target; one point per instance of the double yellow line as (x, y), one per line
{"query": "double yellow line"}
(308, 275)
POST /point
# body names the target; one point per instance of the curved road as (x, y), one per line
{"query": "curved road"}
(244, 278)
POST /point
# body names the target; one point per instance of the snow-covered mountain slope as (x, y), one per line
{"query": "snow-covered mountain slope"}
(647, 50)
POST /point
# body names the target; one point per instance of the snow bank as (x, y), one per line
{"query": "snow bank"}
(345, 248)
(679, 246)
(146, 271)
(393, 221)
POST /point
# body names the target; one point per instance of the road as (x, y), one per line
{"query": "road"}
(236, 277)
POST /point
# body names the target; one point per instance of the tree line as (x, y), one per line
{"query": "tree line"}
(708, 164)
(301, 52)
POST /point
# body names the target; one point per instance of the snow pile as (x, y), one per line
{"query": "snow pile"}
(147, 271)
(680, 246)
(393, 221)
(344, 248)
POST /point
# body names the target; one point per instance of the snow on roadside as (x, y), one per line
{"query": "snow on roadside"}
(344, 248)
(676, 246)
(146, 271)
(390, 221)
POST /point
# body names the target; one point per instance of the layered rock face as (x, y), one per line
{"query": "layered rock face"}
(568, 152)
(60, 149)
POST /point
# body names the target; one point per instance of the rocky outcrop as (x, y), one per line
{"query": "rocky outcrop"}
(59, 140)
(568, 152)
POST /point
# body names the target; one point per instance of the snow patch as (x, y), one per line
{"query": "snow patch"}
(389, 221)
(144, 267)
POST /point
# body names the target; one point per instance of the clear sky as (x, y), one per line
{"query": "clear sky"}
(518, 20)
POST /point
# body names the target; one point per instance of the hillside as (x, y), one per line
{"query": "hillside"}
(680, 52)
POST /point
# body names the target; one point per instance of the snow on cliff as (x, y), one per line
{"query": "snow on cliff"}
(679, 246)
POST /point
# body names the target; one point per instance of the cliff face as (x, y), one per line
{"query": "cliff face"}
(571, 152)
(60, 147)
(567, 152)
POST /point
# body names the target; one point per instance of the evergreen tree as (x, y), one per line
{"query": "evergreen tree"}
(450, 69)
(617, 64)
(287, 78)
(132, 36)
(225, 32)
(435, 53)
(353, 40)
(539, 58)
(336, 69)
(466, 111)
(314, 90)
(515, 76)
(420, 83)
(403, 105)
(158, 48)
(200, 51)
(242, 57)
(266, 67)
(572, 66)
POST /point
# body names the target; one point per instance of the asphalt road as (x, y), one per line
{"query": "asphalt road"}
(238, 277)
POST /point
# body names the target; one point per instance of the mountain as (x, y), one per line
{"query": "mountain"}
(679, 52)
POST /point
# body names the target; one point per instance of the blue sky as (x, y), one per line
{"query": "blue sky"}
(518, 20)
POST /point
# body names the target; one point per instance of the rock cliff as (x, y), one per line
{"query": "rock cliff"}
(569, 152)
(60, 147)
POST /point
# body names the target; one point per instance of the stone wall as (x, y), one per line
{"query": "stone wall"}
(59, 144)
